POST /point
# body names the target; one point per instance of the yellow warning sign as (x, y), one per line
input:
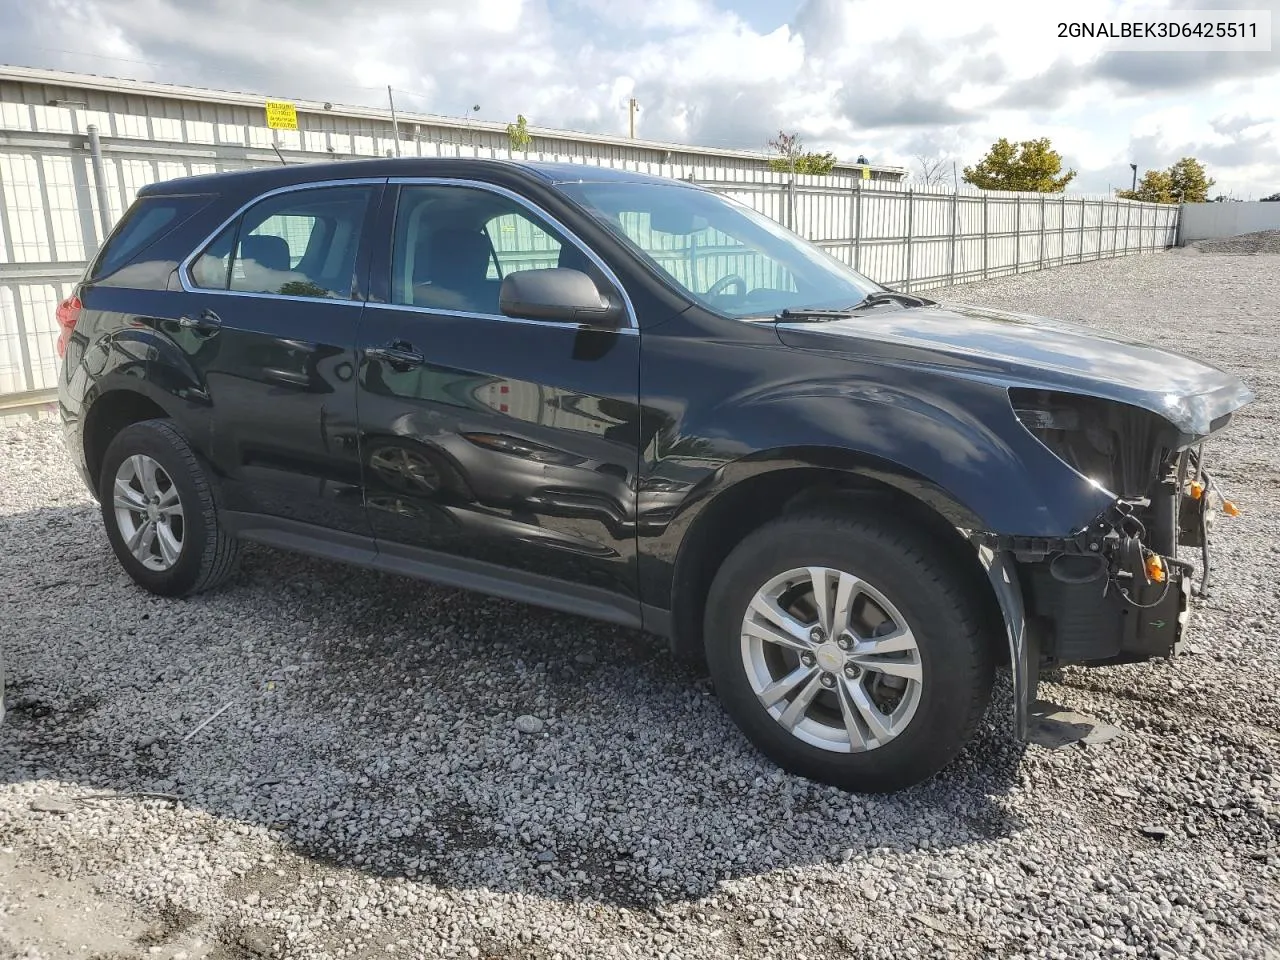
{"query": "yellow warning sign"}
(866, 173)
(282, 115)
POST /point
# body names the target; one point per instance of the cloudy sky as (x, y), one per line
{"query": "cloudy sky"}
(888, 78)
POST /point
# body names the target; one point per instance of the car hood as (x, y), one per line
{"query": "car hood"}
(1025, 351)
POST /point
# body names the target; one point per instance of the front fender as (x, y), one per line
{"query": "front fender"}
(957, 445)
(952, 444)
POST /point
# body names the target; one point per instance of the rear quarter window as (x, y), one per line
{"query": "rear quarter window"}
(145, 222)
(300, 243)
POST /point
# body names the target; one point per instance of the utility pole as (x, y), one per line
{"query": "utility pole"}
(632, 106)
(471, 139)
(791, 189)
(395, 124)
(1134, 168)
(99, 180)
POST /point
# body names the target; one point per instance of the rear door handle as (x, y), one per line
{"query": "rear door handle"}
(206, 322)
(397, 354)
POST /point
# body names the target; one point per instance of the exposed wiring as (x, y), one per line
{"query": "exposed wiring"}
(1144, 606)
(1205, 502)
(1204, 550)
(1177, 501)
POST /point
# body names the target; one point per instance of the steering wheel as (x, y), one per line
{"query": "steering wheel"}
(724, 283)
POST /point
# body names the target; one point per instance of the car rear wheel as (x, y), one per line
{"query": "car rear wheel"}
(848, 650)
(159, 509)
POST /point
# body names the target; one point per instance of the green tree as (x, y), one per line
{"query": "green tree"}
(1189, 182)
(812, 163)
(1183, 182)
(1156, 186)
(303, 288)
(793, 158)
(1030, 165)
(518, 133)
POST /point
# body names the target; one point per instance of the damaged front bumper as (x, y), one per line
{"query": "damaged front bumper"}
(1116, 592)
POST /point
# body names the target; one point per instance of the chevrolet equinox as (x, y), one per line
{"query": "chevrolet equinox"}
(636, 400)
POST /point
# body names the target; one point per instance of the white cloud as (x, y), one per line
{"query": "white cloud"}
(853, 76)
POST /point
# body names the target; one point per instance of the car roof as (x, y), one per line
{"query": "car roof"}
(258, 179)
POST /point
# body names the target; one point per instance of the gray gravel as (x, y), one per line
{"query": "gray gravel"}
(409, 770)
(1263, 241)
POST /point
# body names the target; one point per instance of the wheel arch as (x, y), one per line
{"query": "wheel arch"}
(109, 412)
(752, 493)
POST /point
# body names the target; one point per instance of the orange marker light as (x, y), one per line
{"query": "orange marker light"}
(1197, 489)
(1155, 569)
(1230, 509)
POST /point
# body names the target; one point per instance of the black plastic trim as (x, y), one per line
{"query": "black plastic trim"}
(657, 620)
(445, 569)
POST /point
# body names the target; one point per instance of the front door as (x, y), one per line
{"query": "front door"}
(273, 333)
(501, 447)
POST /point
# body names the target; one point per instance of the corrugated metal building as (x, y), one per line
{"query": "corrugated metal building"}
(217, 118)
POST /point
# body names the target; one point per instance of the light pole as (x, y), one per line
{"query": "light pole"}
(475, 108)
(1134, 168)
(395, 121)
(95, 161)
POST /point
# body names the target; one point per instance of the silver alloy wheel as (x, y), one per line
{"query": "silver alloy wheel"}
(831, 659)
(149, 512)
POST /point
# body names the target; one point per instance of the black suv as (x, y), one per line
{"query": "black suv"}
(636, 400)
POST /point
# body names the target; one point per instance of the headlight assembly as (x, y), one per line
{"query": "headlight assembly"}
(1119, 447)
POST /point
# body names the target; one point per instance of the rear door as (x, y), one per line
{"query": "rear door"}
(272, 338)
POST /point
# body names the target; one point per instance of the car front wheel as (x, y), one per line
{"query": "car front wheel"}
(848, 650)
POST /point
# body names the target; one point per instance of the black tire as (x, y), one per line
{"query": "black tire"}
(951, 626)
(208, 553)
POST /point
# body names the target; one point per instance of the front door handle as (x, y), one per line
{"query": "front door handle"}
(206, 322)
(397, 354)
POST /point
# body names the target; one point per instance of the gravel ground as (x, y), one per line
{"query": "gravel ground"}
(1264, 241)
(393, 768)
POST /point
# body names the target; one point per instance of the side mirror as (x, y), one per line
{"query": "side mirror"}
(556, 293)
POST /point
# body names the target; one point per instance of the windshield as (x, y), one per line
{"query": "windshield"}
(723, 254)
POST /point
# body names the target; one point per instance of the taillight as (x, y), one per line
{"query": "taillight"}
(68, 313)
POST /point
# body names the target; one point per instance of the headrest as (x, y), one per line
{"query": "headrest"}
(456, 254)
(271, 253)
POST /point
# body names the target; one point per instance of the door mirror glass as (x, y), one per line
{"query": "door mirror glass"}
(558, 293)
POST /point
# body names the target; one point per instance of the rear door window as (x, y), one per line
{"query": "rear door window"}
(145, 222)
(210, 268)
(301, 244)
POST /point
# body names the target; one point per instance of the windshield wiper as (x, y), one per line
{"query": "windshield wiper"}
(816, 314)
(809, 314)
(891, 296)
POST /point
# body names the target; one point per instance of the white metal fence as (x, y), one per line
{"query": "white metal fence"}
(911, 239)
(1206, 221)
